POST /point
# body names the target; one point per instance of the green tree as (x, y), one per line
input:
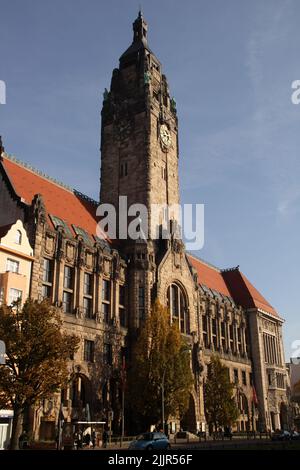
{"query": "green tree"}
(220, 405)
(37, 353)
(160, 358)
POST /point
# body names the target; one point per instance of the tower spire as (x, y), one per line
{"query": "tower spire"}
(140, 28)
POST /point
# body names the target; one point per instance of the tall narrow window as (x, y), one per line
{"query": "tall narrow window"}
(68, 290)
(214, 333)
(178, 308)
(87, 307)
(122, 307)
(231, 336)
(68, 277)
(88, 298)
(18, 237)
(106, 300)
(89, 350)
(223, 335)
(204, 331)
(67, 302)
(106, 290)
(107, 354)
(123, 169)
(239, 339)
(244, 378)
(87, 290)
(47, 278)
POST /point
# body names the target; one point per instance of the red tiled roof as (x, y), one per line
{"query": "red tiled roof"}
(245, 293)
(209, 276)
(59, 201)
(232, 283)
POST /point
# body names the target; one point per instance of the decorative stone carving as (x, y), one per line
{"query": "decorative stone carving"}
(88, 259)
(78, 313)
(98, 317)
(268, 325)
(81, 254)
(106, 267)
(39, 209)
(122, 273)
(70, 252)
(49, 244)
(197, 361)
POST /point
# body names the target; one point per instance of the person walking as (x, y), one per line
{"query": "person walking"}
(105, 438)
(93, 439)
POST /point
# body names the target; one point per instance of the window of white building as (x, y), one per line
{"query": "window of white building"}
(18, 237)
(12, 265)
(14, 295)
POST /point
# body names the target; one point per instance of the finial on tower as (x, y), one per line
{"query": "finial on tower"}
(140, 28)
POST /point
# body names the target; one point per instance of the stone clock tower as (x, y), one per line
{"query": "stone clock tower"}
(139, 130)
(139, 160)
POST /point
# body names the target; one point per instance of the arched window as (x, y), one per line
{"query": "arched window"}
(178, 308)
(18, 237)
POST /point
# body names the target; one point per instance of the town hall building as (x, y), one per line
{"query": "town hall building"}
(105, 287)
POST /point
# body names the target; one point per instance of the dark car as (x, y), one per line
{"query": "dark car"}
(150, 441)
(280, 435)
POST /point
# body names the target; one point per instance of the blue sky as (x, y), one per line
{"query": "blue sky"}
(230, 66)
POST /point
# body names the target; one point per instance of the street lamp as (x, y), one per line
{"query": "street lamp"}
(163, 399)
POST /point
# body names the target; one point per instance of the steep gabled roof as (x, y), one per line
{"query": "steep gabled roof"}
(232, 283)
(60, 201)
(244, 292)
(209, 275)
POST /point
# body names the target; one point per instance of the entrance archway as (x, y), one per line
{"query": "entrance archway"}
(283, 416)
(188, 422)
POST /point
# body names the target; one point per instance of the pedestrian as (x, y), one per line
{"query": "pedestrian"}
(23, 440)
(87, 439)
(93, 439)
(79, 446)
(105, 438)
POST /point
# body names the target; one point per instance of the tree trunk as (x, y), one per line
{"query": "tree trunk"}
(16, 429)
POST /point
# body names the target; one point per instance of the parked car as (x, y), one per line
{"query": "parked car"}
(186, 435)
(280, 435)
(295, 436)
(150, 441)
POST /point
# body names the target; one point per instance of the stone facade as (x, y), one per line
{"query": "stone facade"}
(105, 290)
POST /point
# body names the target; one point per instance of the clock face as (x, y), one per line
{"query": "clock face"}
(165, 135)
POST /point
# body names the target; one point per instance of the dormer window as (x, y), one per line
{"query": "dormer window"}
(18, 237)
